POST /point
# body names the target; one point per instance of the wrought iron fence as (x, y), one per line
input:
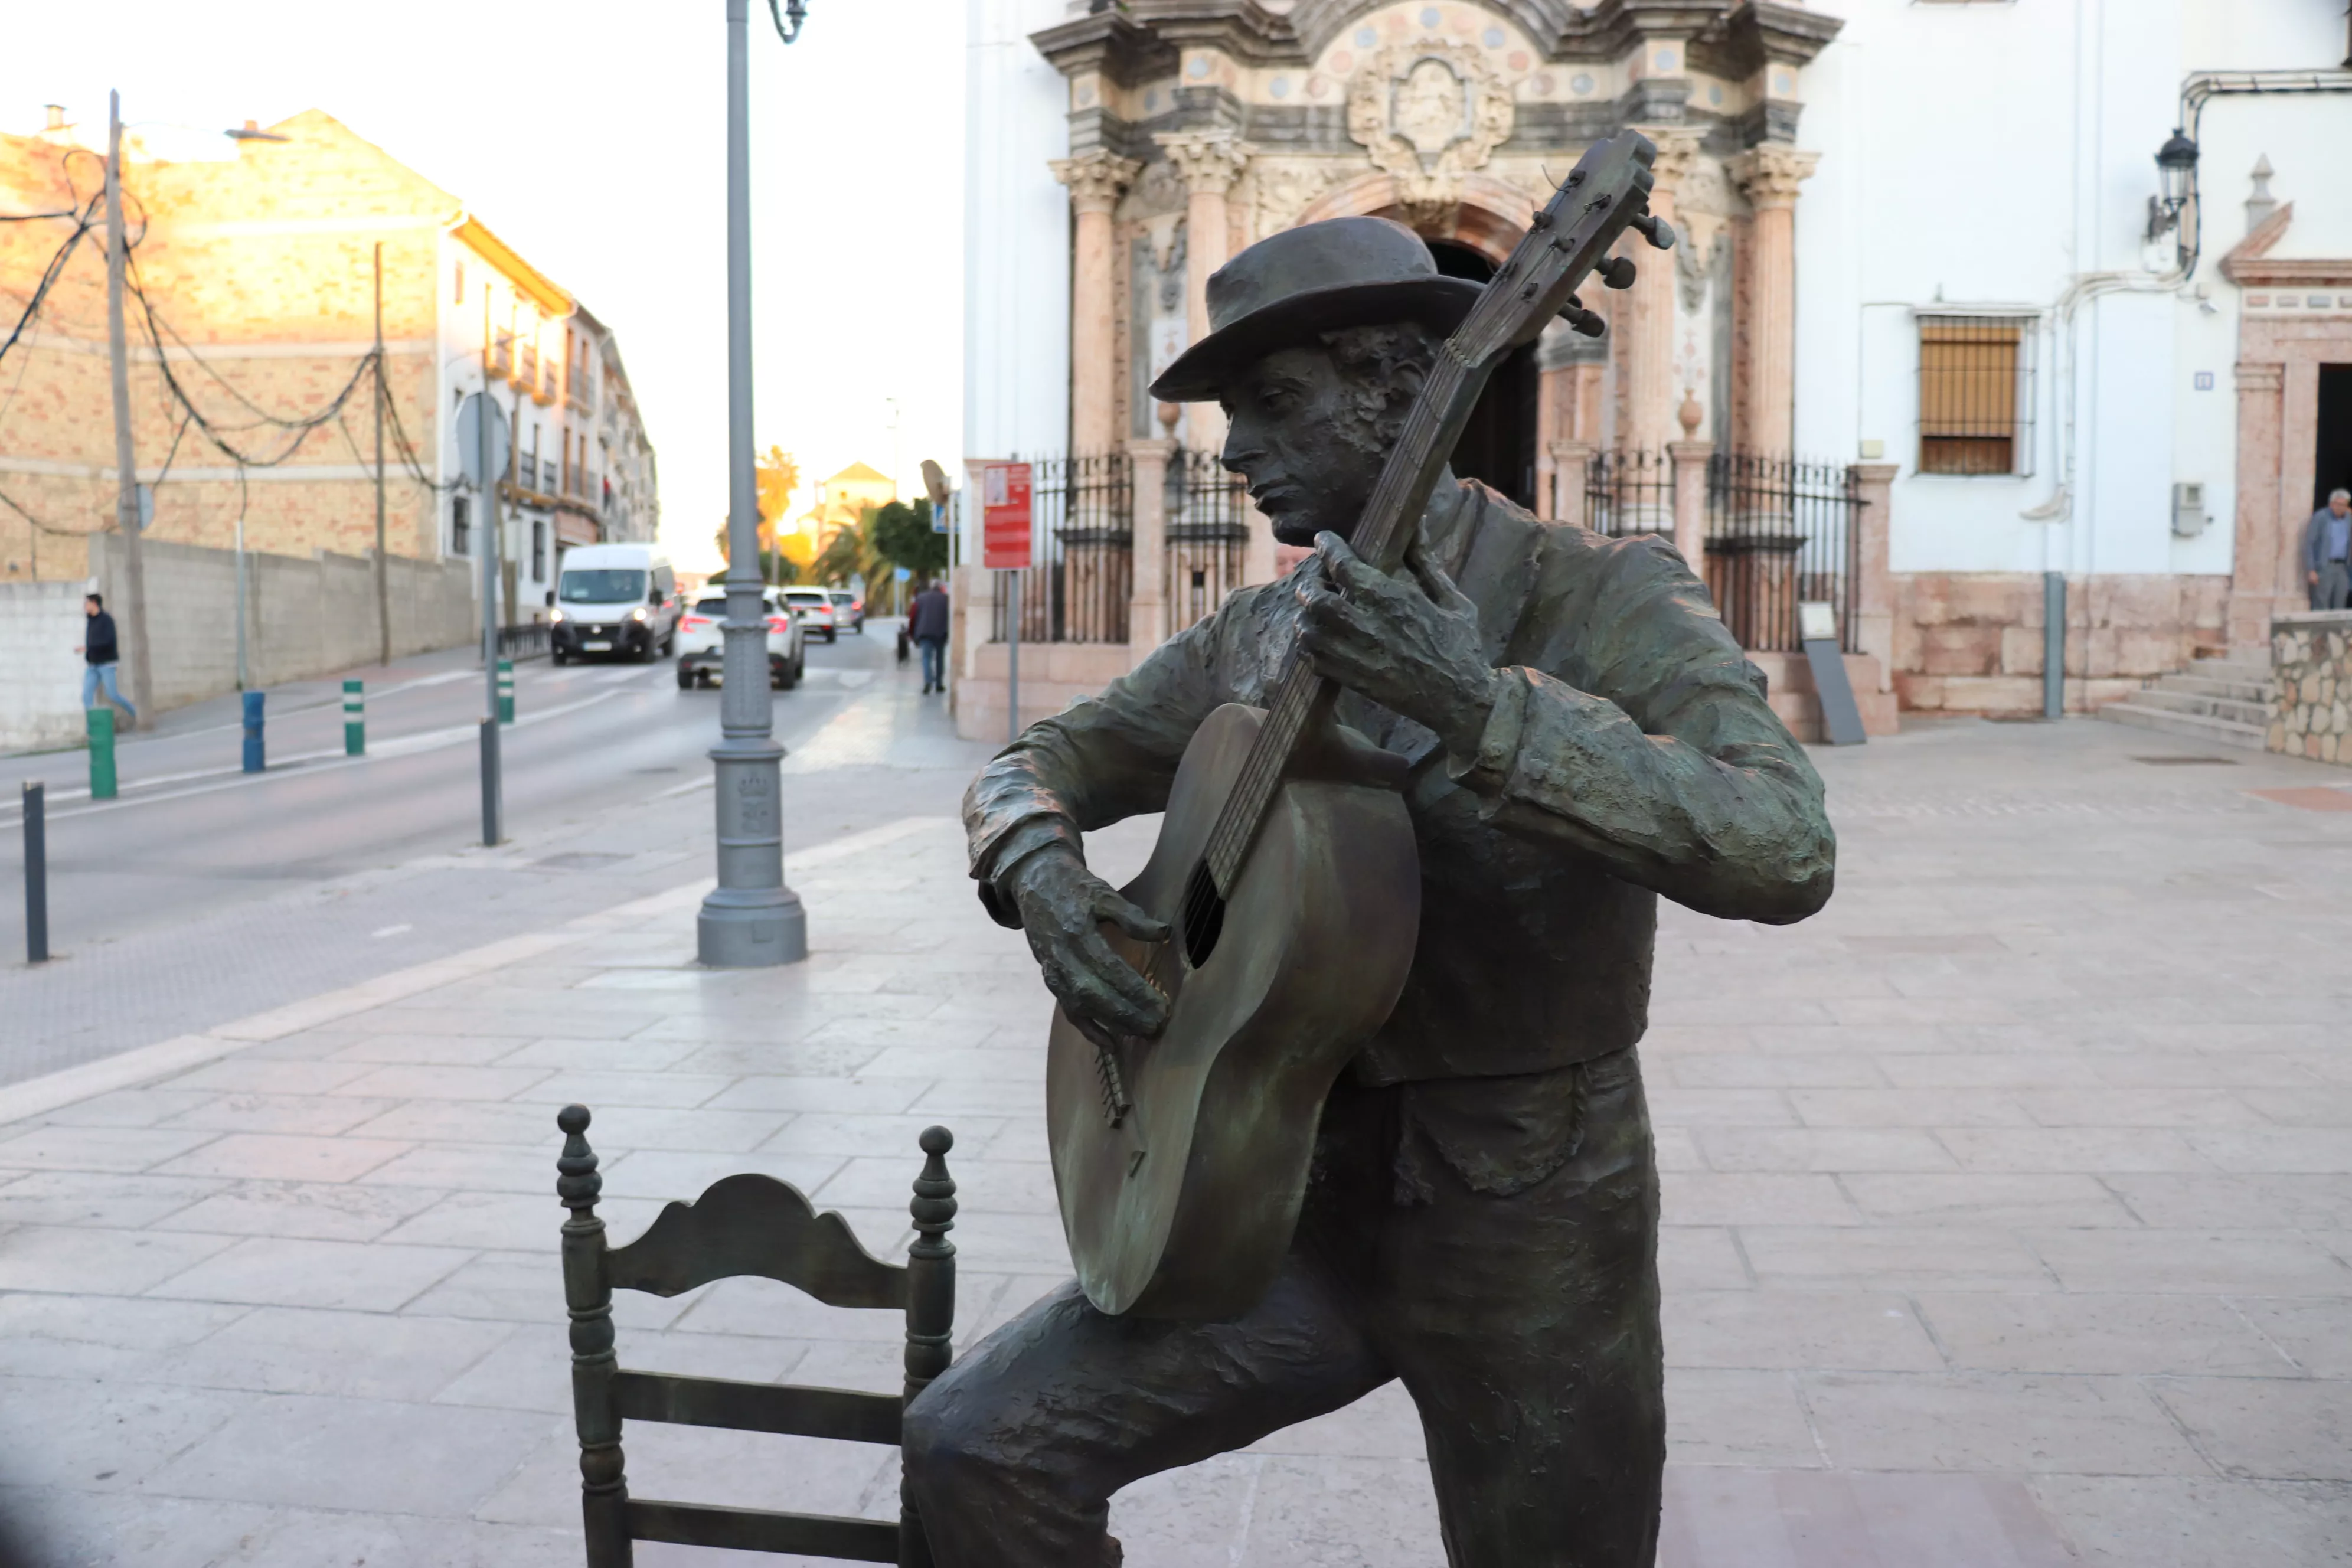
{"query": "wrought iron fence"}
(1779, 532)
(1208, 529)
(1082, 560)
(527, 641)
(1629, 492)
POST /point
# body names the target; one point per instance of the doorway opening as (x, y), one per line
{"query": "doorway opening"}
(2331, 466)
(1498, 445)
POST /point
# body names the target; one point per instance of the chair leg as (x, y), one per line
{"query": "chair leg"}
(930, 1308)
(603, 1486)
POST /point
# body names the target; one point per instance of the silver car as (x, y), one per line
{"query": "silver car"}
(701, 643)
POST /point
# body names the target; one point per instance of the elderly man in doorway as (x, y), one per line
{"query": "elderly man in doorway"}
(2327, 553)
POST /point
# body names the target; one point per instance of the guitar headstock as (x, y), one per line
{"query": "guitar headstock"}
(1607, 193)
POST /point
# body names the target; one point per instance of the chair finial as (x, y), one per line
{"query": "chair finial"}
(934, 1207)
(577, 1186)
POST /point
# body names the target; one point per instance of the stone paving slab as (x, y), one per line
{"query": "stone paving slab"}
(2009, 1211)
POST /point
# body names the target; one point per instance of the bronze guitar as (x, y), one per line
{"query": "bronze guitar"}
(1286, 869)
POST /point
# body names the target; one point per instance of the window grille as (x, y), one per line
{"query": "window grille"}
(1976, 395)
(538, 550)
(460, 542)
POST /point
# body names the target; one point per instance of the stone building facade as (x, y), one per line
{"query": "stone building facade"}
(1917, 251)
(258, 264)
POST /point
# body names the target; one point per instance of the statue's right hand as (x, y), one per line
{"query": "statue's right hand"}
(1063, 906)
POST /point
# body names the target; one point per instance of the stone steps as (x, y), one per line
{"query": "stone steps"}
(2225, 701)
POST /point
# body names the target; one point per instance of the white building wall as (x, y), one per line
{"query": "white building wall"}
(1016, 247)
(1991, 157)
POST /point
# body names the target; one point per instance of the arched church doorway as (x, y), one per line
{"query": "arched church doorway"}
(1498, 446)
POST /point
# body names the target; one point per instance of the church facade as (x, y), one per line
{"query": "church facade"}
(1924, 342)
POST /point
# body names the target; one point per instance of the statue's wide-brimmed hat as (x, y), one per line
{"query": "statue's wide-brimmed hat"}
(1316, 278)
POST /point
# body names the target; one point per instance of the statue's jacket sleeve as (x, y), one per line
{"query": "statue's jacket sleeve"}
(1630, 752)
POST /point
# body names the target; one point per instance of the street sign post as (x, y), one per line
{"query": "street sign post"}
(484, 444)
(1006, 530)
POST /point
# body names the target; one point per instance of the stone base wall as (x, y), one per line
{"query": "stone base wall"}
(1971, 642)
(2311, 668)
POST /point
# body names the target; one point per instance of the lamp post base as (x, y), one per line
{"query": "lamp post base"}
(751, 929)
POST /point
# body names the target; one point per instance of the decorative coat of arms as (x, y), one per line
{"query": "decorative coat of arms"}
(1429, 113)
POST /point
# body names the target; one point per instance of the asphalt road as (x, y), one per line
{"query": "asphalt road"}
(191, 836)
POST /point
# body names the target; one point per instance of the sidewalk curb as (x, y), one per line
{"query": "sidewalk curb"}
(38, 1096)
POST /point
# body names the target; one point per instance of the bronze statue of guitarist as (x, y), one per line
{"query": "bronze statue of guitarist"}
(1581, 735)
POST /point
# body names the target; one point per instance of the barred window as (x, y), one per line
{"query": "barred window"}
(1976, 395)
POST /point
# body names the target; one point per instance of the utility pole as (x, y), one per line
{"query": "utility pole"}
(126, 466)
(383, 567)
(751, 918)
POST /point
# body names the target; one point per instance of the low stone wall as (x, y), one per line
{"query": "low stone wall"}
(304, 618)
(2311, 672)
(1971, 642)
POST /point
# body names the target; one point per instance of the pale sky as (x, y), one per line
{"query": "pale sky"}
(591, 135)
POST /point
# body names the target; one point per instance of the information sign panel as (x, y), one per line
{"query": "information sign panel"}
(1005, 517)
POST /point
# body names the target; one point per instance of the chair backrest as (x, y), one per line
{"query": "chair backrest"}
(744, 1225)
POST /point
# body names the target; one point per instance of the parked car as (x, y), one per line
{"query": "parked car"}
(701, 655)
(814, 606)
(848, 609)
(615, 599)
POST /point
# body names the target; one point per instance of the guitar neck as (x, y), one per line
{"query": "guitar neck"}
(1383, 536)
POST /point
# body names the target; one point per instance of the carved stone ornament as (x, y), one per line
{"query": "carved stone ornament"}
(1770, 174)
(1094, 179)
(1208, 161)
(1429, 113)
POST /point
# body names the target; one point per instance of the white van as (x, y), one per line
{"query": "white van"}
(615, 599)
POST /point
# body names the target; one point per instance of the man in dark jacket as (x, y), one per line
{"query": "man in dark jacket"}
(1582, 735)
(926, 623)
(105, 657)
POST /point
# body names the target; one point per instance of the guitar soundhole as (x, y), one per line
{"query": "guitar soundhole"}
(1205, 916)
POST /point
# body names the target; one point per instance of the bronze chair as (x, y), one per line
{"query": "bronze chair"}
(744, 1225)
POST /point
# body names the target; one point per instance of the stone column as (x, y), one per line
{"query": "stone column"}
(1770, 175)
(1210, 161)
(1873, 595)
(1690, 501)
(1643, 324)
(2260, 574)
(1569, 461)
(1095, 180)
(1147, 607)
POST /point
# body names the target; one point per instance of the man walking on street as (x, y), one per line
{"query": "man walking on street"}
(105, 658)
(2327, 553)
(926, 623)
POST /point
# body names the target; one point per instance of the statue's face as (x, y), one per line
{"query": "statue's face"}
(1289, 412)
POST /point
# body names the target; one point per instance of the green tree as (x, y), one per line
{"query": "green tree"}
(903, 536)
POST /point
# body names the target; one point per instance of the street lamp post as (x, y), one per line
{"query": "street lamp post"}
(751, 918)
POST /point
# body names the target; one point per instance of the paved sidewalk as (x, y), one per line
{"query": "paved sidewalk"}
(2008, 1206)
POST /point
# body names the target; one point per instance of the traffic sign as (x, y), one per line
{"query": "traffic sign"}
(469, 439)
(1004, 533)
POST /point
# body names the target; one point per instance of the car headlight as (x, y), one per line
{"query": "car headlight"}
(639, 613)
(555, 617)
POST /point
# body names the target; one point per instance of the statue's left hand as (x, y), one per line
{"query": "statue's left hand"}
(1411, 645)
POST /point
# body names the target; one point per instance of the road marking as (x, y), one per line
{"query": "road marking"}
(393, 930)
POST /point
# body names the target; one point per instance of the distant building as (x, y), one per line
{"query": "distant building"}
(840, 502)
(258, 267)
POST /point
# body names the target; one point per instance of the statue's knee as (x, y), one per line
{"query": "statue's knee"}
(940, 1446)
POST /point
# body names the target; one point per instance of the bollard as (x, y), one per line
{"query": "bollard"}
(506, 692)
(354, 719)
(254, 760)
(36, 876)
(101, 752)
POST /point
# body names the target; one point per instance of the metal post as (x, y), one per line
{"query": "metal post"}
(37, 875)
(354, 719)
(383, 566)
(101, 752)
(751, 918)
(126, 466)
(243, 679)
(506, 692)
(255, 759)
(492, 785)
(1013, 659)
(2054, 645)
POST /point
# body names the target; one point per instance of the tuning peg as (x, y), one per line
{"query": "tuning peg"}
(1656, 230)
(1583, 321)
(1617, 271)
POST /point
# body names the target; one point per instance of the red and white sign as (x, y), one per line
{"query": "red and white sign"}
(1005, 517)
